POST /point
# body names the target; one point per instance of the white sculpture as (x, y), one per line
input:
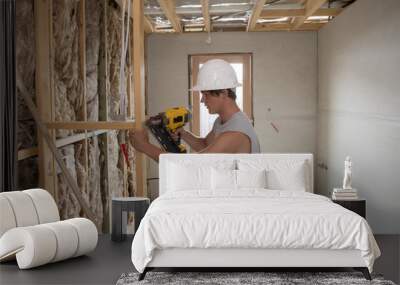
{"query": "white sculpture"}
(347, 173)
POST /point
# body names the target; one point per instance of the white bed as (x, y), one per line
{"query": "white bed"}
(199, 224)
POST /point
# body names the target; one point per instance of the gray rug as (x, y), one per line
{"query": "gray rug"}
(270, 278)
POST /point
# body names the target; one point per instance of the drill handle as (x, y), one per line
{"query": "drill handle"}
(179, 138)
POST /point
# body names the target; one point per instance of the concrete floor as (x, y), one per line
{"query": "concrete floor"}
(110, 260)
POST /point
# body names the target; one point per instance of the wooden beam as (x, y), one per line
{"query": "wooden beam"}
(33, 151)
(168, 7)
(148, 26)
(311, 6)
(276, 13)
(205, 5)
(287, 27)
(82, 55)
(27, 152)
(90, 125)
(255, 13)
(44, 90)
(131, 100)
(139, 92)
(332, 12)
(82, 68)
(103, 115)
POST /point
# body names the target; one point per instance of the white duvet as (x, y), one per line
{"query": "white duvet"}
(252, 218)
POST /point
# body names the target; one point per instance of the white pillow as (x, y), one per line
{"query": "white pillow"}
(291, 178)
(251, 178)
(183, 177)
(282, 174)
(223, 179)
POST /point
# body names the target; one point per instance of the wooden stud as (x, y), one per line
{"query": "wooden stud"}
(82, 55)
(44, 88)
(255, 13)
(82, 69)
(311, 6)
(103, 112)
(195, 96)
(205, 5)
(248, 86)
(131, 100)
(139, 92)
(168, 7)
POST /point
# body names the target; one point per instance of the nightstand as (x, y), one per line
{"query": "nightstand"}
(358, 206)
(120, 208)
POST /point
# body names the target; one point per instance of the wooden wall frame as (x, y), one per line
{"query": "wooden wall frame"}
(43, 10)
(139, 91)
(44, 83)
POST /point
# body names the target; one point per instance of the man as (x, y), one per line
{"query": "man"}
(232, 131)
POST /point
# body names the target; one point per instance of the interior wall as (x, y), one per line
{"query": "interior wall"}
(284, 82)
(359, 107)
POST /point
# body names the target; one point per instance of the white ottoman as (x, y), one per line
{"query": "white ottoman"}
(31, 232)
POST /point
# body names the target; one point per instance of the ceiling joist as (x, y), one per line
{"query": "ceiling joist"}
(206, 14)
(255, 14)
(275, 13)
(333, 12)
(263, 15)
(168, 7)
(310, 7)
(287, 27)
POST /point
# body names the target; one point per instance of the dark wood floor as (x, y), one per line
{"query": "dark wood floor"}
(110, 260)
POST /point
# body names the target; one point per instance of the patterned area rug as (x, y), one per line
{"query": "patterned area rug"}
(273, 278)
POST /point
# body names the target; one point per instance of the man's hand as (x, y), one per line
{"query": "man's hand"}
(139, 139)
(177, 134)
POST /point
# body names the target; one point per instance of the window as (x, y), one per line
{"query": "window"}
(202, 121)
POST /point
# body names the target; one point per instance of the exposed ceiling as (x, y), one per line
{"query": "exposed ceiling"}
(183, 16)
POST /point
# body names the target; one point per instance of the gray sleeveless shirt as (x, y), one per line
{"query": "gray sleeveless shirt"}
(239, 122)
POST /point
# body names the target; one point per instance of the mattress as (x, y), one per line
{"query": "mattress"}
(250, 219)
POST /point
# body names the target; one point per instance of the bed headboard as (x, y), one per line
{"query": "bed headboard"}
(213, 158)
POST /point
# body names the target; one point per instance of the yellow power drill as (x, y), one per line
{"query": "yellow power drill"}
(167, 122)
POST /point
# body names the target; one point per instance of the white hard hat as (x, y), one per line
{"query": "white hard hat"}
(216, 74)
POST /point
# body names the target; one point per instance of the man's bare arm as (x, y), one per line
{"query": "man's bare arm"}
(152, 151)
(229, 142)
(196, 143)
(140, 142)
